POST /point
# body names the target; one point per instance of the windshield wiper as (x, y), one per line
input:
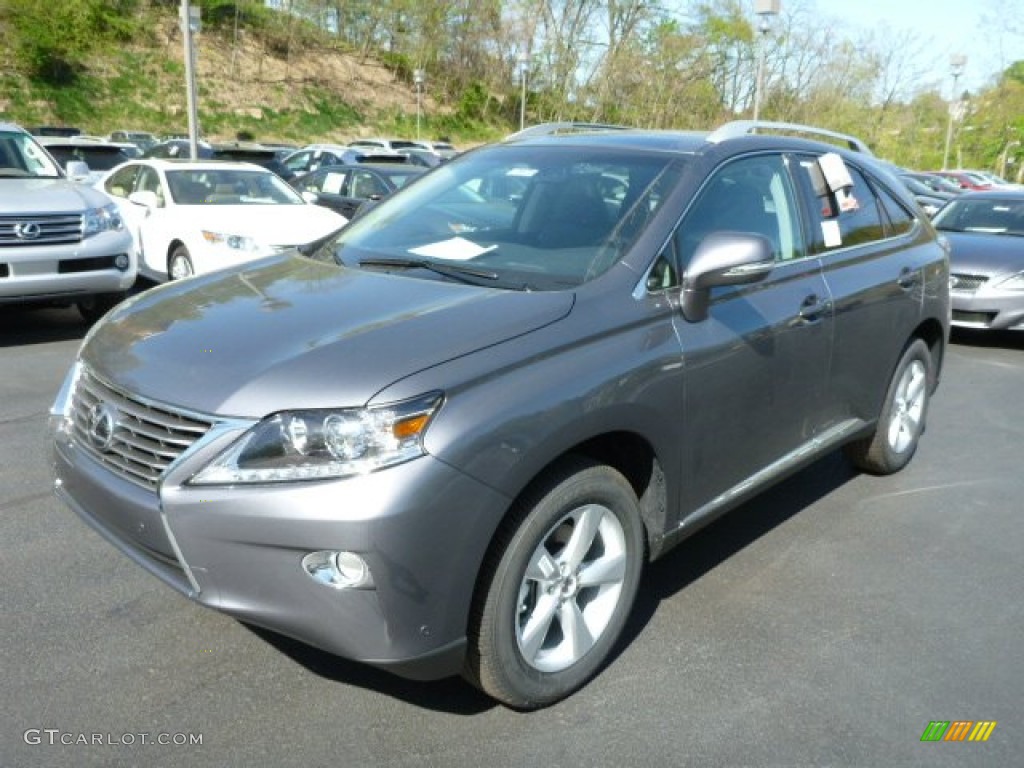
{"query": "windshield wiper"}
(441, 268)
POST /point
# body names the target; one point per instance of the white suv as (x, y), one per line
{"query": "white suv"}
(59, 241)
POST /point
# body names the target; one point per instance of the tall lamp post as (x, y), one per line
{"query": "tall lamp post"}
(765, 9)
(524, 67)
(190, 27)
(956, 68)
(417, 78)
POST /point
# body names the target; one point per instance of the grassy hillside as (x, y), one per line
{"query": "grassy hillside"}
(302, 88)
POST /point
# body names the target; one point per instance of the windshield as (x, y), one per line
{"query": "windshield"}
(21, 156)
(532, 218)
(222, 186)
(992, 215)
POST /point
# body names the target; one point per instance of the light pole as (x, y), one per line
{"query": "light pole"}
(524, 66)
(190, 27)
(417, 78)
(765, 9)
(957, 63)
(1004, 157)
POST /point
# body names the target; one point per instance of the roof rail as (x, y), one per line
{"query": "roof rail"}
(738, 128)
(549, 129)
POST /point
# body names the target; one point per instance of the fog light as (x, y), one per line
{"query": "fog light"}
(121, 261)
(341, 570)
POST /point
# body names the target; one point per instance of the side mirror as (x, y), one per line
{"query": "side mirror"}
(310, 197)
(144, 197)
(723, 258)
(77, 170)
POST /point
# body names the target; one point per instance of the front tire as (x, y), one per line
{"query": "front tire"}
(179, 265)
(94, 307)
(902, 421)
(558, 586)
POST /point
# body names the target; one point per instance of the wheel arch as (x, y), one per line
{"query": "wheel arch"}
(629, 454)
(934, 336)
(171, 246)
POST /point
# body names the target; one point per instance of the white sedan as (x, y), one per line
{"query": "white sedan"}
(192, 217)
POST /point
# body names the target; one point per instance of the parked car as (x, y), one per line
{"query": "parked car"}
(450, 439)
(60, 241)
(344, 188)
(55, 130)
(98, 156)
(424, 157)
(314, 156)
(178, 148)
(929, 200)
(985, 231)
(965, 179)
(934, 182)
(995, 180)
(141, 139)
(444, 148)
(382, 145)
(196, 217)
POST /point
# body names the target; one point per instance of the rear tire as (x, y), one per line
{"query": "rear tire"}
(558, 586)
(902, 420)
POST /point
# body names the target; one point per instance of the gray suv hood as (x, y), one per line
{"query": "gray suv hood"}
(48, 196)
(293, 333)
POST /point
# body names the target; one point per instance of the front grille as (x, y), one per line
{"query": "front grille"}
(966, 283)
(140, 439)
(46, 229)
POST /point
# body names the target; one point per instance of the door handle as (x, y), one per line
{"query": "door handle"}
(813, 307)
(908, 278)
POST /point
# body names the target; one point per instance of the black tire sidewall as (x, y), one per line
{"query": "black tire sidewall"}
(518, 683)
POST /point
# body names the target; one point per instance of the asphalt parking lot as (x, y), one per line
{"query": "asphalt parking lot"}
(827, 623)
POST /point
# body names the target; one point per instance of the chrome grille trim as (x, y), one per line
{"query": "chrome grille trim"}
(147, 437)
(966, 283)
(53, 229)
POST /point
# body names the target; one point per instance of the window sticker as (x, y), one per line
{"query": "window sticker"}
(831, 233)
(332, 183)
(454, 249)
(835, 171)
(847, 202)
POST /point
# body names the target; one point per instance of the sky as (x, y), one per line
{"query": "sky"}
(954, 27)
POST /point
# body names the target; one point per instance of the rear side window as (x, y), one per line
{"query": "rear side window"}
(853, 216)
(898, 219)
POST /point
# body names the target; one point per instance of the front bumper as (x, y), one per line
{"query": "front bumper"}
(989, 309)
(422, 527)
(70, 271)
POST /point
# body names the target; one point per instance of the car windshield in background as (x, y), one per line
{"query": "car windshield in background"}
(986, 214)
(210, 186)
(526, 218)
(20, 156)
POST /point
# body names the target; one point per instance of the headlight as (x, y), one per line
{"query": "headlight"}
(234, 242)
(319, 444)
(1015, 283)
(103, 219)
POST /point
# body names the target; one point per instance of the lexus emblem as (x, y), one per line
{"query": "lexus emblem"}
(102, 423)
(27, 230)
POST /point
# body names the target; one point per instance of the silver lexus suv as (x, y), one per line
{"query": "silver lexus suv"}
(60, 241)
(448, 439)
